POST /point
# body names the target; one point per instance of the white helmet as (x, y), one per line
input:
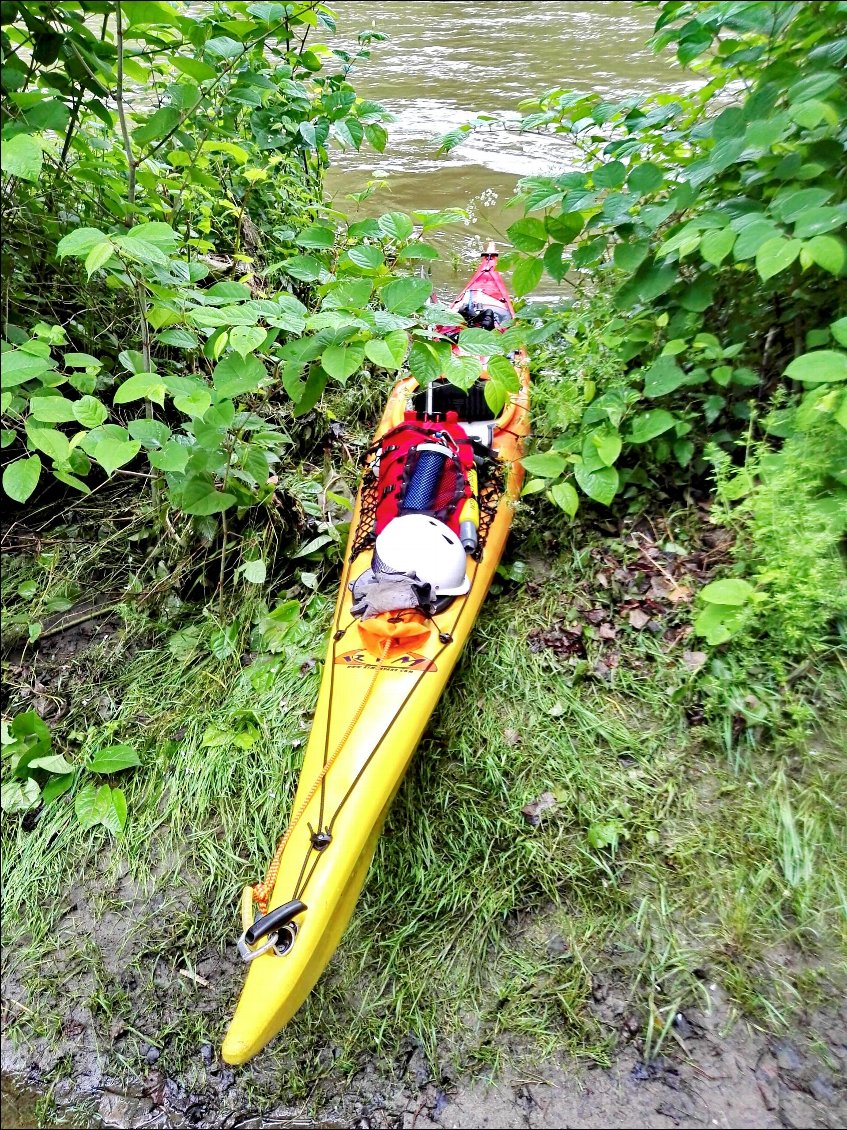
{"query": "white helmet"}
(420, 544)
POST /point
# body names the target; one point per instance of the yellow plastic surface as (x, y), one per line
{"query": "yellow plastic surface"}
(360, 786)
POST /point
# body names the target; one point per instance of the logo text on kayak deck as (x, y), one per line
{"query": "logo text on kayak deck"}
(408, 661)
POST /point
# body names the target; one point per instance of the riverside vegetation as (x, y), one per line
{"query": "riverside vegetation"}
(196, 349)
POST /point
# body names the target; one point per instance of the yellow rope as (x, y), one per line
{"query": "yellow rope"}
(261, 892)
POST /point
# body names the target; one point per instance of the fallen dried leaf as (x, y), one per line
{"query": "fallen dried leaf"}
(533, 811)
(561, 641)
(663, 589)
(607, 632)
(638, 619)
(511, 737)
(694, 660)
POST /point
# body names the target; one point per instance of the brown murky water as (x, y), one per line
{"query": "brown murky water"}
(20, 1108)
(445, 63)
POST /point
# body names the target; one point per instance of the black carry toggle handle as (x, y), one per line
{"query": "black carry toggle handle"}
(273, 920)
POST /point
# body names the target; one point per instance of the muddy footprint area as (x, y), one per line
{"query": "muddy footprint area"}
(715, 1070)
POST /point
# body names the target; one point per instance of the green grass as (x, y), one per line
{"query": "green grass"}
(663, 868)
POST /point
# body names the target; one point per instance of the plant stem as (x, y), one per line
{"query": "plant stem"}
(223, 566)
(119, 97)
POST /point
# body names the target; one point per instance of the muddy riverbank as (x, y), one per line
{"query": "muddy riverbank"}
(715, 1070)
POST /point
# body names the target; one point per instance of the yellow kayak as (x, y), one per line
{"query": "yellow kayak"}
(439, 472)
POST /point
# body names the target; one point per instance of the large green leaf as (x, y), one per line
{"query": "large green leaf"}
(194, 68)
(601, 484)
(716, 245)
(367, 257)
(388, 352)
(527, 275)
(244, 339)
(304, 267)
(351, 294)
(816, 221)
(610, 175)
(396, 225)
(312, 391)
(607, 444)
(103, 805)
(138, 250)
(405, 296)
(427, 360)
(502, 373)
(200, 496)
(21, 477)
(52, 409)
(481, 343)
(159, 123)
(113, 759)
(565, 497)
(18, 366)
(565, 226)
(236, 375)
(19, 796)
(417, 251)
(172, 457)
(341, 361)
(99, 256)
(546, 465)
(792, 202)
(828, 252)
(461, 371)
(730, 591)
(320, 236)
(648, 425)
(645, 178)
(161, 235)
(49, 440)
(663, 376)
(650, 282)
(751, 237)
(52, 763)
(141, 12)
(21, 156)
(143, 386)
(528, 234)
(819, 367)
(629, 256)
(554, 263)
(775, 255)
(377, 136)
(114, 453)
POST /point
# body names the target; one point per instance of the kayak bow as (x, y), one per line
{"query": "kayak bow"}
(385, 670)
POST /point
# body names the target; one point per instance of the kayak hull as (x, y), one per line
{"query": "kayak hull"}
(372, 710)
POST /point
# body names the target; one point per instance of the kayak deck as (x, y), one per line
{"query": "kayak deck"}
(376, 698)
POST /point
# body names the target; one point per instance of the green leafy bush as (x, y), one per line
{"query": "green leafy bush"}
(789, 525)
(715, 220)
(191, 145)
(38, 776)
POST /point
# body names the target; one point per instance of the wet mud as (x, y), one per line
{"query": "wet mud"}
(713, 1070)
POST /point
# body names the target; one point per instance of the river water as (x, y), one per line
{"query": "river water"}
(445, 63)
